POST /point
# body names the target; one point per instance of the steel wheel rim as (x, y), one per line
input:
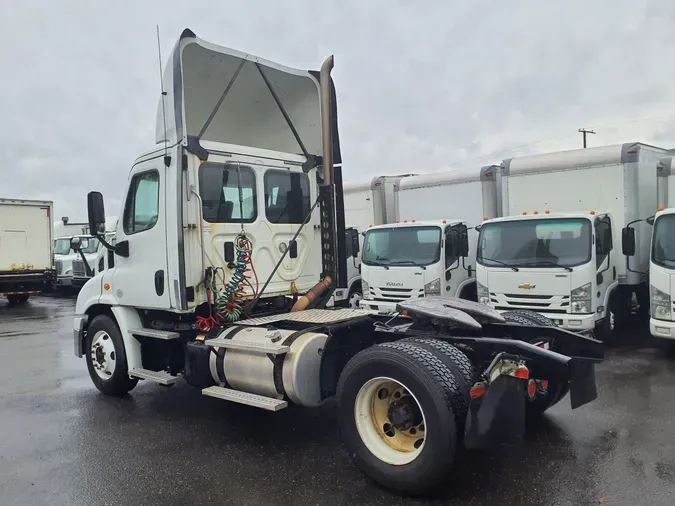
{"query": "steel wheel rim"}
(103, 355)
(385, 438)
(354, 300)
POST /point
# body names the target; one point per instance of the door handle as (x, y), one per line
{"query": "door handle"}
(159, 282)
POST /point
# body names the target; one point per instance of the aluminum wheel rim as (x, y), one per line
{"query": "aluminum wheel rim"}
(354, 300)
(387, 443)
(103, 356)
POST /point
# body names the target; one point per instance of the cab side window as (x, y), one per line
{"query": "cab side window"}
(603, 239)
(141, 209)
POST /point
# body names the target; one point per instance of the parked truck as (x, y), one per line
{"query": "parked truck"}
(424, 239)
(557, 249)
(26, 249)
(231, 242)
(662, 252)
(358, 215)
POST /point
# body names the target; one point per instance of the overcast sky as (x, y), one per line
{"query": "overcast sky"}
(422, 86)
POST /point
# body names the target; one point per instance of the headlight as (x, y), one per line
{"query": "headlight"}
(433, 288)
(581, 299)
(661, 305)
(482, 293)
(365, 289)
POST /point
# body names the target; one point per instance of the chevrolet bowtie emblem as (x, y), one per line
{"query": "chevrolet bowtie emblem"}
(526, 286)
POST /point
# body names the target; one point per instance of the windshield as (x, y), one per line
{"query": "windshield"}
(663, 242)
(61, 246)
(535, 243)
(402, 246)
(90, 245)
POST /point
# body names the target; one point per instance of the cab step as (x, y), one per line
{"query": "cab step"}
(161, 377)
(252, 346)
(155, 334)
(257, 401)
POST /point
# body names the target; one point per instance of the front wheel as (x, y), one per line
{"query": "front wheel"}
(355, 299)
(106, 357)
(397, 411)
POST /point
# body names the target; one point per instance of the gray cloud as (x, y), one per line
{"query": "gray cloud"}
(421, 87)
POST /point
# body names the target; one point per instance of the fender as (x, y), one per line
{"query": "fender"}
(463, 285)
(605, 303)
(127, 318)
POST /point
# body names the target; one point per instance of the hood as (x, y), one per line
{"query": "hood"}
(394, 277)
(529, 282)
(218, 94)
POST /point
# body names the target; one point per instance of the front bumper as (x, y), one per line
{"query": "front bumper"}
(378, 306)
(661, 328)
(64, 281)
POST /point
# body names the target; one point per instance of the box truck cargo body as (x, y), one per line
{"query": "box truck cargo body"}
(437, 211)
(26, 249)
(558, 247)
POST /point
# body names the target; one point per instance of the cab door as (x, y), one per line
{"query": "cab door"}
(140, 279)
(605, 262)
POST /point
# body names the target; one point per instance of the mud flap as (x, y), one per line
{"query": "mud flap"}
(498, 417)
(582, 382)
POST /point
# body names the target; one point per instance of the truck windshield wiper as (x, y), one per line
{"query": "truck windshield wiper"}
(541, 263)
(408, 262)
(378, 264)
(500, 263)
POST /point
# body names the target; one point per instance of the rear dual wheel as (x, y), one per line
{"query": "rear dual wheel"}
(398, 407)
(17, 299)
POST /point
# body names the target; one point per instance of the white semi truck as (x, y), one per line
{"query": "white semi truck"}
(230, 244)
(424, 241)
(557, 249)
(26, 249)
(662, 253)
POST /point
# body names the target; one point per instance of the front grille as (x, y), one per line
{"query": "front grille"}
(78, 268)
(59, 267)
(386, 294)
(558, 304)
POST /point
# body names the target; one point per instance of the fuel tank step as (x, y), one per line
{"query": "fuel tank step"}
(161, 377)
(252, 346)
(155, 334)
(257, 401)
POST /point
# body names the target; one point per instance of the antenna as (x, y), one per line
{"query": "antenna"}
(167, 158)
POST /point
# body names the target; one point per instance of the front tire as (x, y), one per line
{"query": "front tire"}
(397, 408)
(106, 357)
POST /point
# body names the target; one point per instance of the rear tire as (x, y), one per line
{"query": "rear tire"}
(107, 358)
(556, 391)
(380, 446)
(17, 299)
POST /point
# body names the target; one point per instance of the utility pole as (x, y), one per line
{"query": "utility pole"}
(584, 132)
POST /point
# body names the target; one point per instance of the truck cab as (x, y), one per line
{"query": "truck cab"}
(561, 265)
(63, 261)
(414, 259)
(662, 275)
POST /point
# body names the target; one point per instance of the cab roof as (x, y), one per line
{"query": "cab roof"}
(417, 223)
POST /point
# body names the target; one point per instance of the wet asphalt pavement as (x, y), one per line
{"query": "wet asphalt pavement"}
(61, 442)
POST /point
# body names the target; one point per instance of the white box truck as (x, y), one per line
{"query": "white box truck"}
(358, 204)
(424, 243)
(662, 253)
(26, 249)
(557, 249)
(252, 190)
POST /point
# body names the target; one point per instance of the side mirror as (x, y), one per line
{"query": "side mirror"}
(628, 241)
(356, 248)
(464, 243)
(75, 243)
(96, 213)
